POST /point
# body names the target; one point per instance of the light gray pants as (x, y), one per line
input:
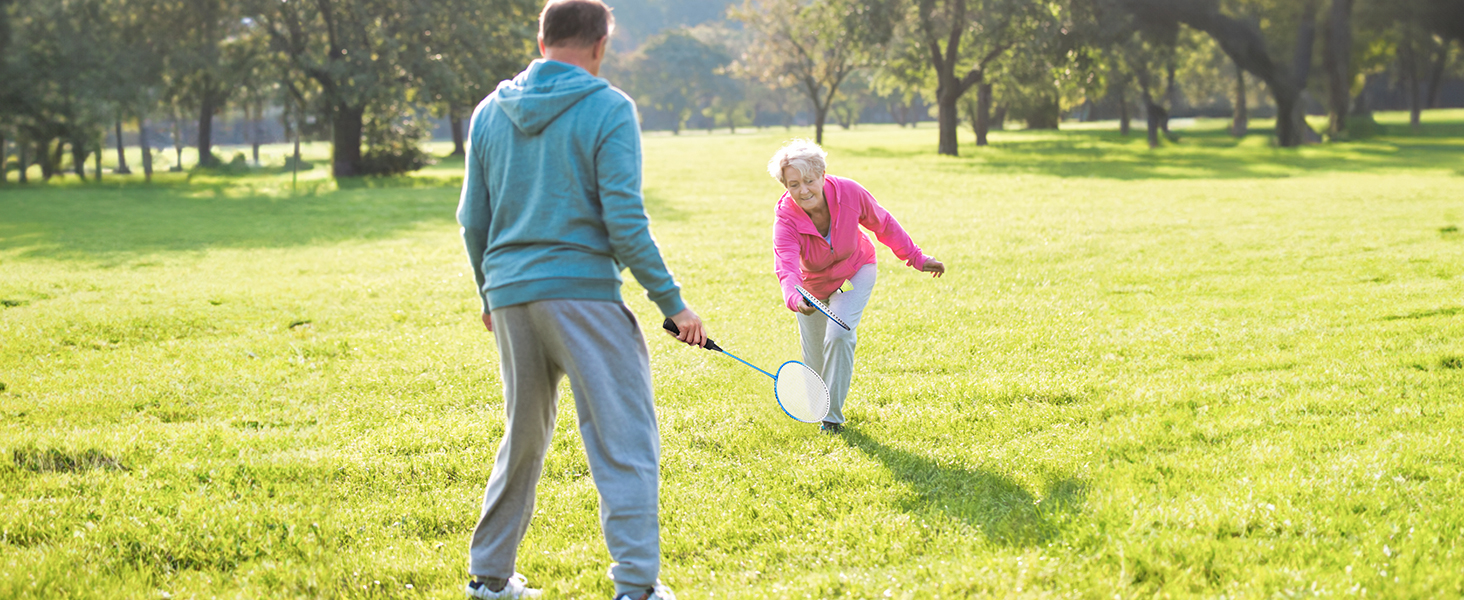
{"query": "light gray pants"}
(828, 348)
(600, 347)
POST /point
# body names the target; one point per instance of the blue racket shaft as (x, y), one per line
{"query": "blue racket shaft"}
(711, 345)
(802, 395)
(775, 377)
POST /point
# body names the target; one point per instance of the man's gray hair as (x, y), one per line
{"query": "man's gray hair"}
(575, 23)
(800, 154)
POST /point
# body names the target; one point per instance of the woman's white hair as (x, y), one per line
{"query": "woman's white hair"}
(800, 154)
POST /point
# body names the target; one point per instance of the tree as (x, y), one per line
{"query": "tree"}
(1242, 40)
(1050, 65)
(1148, 59)
(974, 33)
(903, 76)
(209, 50)
(815, 45)
(677, 74)
(6, 103)
(355, 50)
(1418, 35)
(1337, 63)
(55, 85)
(471, 46)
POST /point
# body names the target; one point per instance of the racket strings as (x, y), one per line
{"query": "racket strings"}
(801, 392)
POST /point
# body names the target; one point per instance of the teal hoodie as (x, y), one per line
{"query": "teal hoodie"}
(551, 205)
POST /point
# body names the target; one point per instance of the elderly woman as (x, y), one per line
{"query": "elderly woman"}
(817, 244)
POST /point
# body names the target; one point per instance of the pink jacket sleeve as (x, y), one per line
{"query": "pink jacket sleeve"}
(785, 260)
(888, 231)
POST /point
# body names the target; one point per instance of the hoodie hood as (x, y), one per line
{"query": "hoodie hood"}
(542, 92)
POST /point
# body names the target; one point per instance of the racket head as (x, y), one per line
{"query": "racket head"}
(823, 308)
(801, 393)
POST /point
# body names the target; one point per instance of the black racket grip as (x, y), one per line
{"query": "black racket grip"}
(670, 326)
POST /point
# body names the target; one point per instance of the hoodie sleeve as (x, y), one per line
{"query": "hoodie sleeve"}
(884, 226)
(473, 212)
(785, 260)
(618, 170)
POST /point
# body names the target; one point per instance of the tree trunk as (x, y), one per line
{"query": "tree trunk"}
(297, 143)
(4, 162)
(147, 162)
(121, 158)
(1336, 61)
(455, 120)
(20, 146)
(177, 146)
(1306, 37)
(1408, 60)
(1125, 120)
(1156, 118)
(948, 96)
(208, 105)
(255, 134)
(983, 112)
(1154, 115)
(1241, 121)
(820, 113)
(1288, 135)
(1436, 74)
(47, 159)
(346, 141)
(1171, 93)
(53, 158)
(78, 158)
(101, 147)
(43, 159)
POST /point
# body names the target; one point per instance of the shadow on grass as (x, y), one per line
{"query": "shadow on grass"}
(1201, 152)
(93, 222)
(998, 507)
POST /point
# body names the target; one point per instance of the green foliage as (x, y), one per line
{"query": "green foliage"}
(814, 46)
(395, 143)
(471, 45)
(637, 21)
(677, 73)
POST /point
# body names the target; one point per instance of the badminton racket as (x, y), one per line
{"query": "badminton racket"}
(823, 308)
(800, 392)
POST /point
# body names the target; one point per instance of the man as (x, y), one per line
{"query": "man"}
(551, 209)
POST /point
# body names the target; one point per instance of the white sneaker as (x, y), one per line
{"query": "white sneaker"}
(660, 592)
(517, 587)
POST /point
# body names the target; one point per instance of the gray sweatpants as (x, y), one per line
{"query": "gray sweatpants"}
(600, 347)
(827, 348)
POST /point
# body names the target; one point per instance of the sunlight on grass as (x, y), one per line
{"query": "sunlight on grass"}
(1213, 369)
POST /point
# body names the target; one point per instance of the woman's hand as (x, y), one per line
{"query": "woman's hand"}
(934, 267)
(804, 307)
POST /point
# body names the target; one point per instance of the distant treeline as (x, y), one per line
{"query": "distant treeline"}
(375, 77)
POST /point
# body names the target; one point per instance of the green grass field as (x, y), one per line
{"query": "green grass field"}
(1217, 369)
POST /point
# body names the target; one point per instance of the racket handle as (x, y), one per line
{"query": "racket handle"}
(670, 326)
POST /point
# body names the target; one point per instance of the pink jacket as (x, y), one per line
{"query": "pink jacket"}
(802, 257)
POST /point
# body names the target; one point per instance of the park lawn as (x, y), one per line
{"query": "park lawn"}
(1213, 369)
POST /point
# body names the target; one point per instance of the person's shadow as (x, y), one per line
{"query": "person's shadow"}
(996, 506)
